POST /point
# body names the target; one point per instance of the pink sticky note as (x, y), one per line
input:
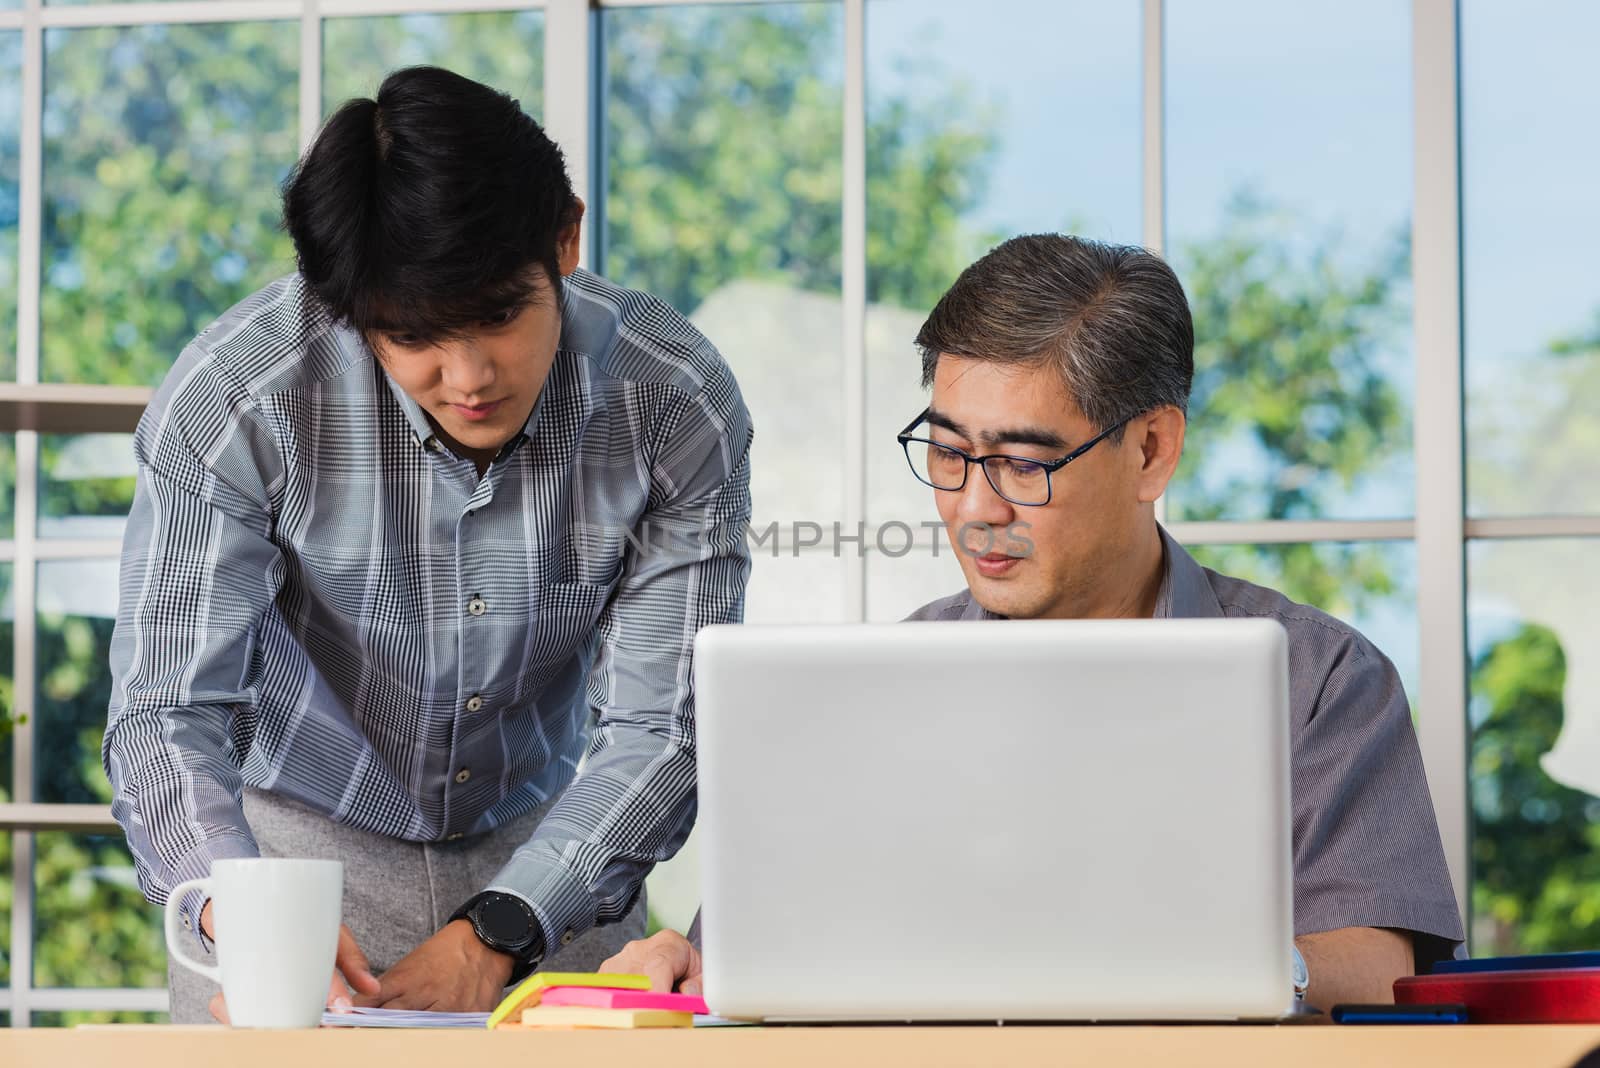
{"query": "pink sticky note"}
(592, 998)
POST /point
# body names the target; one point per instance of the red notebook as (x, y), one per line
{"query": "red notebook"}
(1569, 995)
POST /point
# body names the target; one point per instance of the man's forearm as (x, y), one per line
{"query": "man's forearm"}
(1355, 965)
(572, 880)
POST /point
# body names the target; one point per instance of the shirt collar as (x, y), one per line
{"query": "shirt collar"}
(1186, 591)
(413, 411)
(973, 610)
(419, 419)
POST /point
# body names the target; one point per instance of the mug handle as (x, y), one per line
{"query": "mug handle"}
(176, 935)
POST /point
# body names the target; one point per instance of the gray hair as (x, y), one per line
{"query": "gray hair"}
(1112, 319)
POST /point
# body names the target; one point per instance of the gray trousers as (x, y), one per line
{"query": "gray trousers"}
(396, 893)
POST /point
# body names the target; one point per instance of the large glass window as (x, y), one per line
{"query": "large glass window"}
(5, 914)
(1530, 217)
(86, 485)
(1288, 201)
(1531, 325)
(164, 147)
(722, 182)
(976, 133)
(77, 608)
(10, 162)
(92, 927)
(790, 587)
(8, 484)
(720, 138)
(721, 134)
(909, 571)
(10, 205)
(8, 611)
(504, 49)
(1535, 730)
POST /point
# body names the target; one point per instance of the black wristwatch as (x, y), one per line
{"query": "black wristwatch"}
(505, 923)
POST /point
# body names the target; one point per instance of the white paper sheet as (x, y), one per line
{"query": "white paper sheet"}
(359, 1017)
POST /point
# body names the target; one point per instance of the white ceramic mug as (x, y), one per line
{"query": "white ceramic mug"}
(277, 924)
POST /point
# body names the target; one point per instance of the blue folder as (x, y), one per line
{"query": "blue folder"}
(1540, 962)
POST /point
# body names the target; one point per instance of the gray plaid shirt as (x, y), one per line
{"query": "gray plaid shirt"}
(320, 600)
(1367, 851)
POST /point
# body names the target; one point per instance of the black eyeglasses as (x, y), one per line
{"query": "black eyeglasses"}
(1019, 479)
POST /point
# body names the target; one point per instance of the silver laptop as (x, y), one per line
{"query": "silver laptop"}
(989, 821)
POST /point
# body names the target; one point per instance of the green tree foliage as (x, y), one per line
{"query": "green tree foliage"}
(10, 174)
(10, 164)
(1290, 343)
(1345, 580)
(504, 49)
(92, 926)
(1531, 435)
(163, 151)
(8, 489)
(1288, 359)
(723, 131)
(1536, 843)
(722, 141)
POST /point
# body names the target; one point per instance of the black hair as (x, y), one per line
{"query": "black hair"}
(1112, 320)
(428, 209)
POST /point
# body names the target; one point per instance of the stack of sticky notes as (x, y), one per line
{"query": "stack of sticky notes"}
(581, 999)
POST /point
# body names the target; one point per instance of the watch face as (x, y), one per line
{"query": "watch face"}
(505, 919)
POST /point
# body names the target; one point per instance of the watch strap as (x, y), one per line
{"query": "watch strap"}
(527, 955)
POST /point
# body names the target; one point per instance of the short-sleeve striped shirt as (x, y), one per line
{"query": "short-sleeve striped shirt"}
(1367, 851)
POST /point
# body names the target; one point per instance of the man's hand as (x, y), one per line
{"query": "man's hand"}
(450, 972)
(352, 974)
(666, 957)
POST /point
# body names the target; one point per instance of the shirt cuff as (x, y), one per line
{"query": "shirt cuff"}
(560, 900)
(197, 865)
(1437, 921)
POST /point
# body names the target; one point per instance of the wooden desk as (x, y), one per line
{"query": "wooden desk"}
(830, 1047)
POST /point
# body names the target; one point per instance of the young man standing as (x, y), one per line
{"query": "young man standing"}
(1060, 372)
(403, 519)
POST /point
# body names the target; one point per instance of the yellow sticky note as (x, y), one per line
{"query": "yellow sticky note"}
(614, 1019)
(530, 990)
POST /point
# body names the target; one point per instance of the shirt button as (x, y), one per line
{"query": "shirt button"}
(456, 837)
(463, 775)
(474, 703)
(477, 606)
(434, 445)
(566, 939)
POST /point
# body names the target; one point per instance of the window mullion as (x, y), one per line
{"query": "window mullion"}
(1436, 312)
